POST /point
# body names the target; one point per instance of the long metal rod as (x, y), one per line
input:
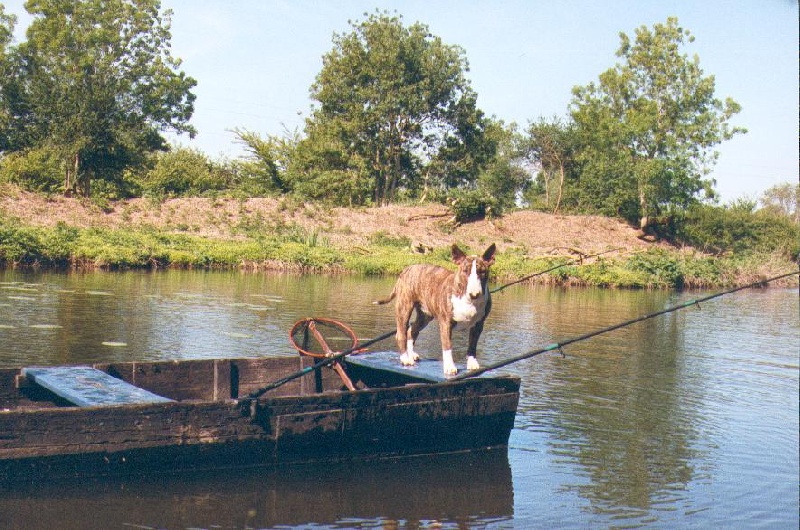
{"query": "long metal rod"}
(329, 360)
(558, 345)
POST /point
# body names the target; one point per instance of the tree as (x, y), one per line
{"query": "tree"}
(265, 168)
(95, 82)
(783, 200)
(648, 127)
(184, 172)
(391, 99)
(503, 178)
(550, 148)
(7, 23)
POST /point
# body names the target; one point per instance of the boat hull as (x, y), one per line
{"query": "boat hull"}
(192, 434)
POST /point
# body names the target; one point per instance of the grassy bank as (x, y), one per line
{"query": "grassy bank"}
(66, 247)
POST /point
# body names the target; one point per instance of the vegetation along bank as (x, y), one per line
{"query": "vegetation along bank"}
(396, 161)
(37, 231)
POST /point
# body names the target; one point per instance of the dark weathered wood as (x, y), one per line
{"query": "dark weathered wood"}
(89, 387)
(198, 379)
(211, 423)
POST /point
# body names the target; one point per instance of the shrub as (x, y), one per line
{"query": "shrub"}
(738, 229)
(472, 205)
(33, 170)
(184, 172)
(662, 266)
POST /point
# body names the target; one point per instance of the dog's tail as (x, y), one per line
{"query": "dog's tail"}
(385, 300)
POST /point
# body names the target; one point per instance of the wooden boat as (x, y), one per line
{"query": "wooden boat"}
(165, 416)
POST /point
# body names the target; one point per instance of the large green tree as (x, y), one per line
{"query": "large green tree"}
(95, 83)
(395, 110)
(649, 126)
(7, 22)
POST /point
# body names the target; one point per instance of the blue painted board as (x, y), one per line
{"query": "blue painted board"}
(427, 369)
(89, 387)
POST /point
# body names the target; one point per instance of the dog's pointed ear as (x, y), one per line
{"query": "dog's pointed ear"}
(458, 254)
(488, 256)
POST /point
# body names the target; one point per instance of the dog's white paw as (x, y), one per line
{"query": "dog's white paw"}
(449, 369)
(448, 366)
(410, 353)
(409, 359)
(472, 363)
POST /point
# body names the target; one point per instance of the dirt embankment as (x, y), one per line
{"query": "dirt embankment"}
(426, 225)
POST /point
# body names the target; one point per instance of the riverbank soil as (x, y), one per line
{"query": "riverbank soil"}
(425, 226)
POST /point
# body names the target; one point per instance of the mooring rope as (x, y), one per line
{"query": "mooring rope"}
(557, 346)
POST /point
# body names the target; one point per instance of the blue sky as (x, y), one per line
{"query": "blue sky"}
(256, 59)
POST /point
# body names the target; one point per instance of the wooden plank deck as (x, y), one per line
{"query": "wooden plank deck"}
(426, 369)
(85, 386)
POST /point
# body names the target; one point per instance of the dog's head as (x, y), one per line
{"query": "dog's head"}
(473, 271)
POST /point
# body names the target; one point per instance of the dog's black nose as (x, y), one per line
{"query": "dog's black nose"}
(474, 295)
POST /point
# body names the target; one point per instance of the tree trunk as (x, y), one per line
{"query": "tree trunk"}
(644, 219)
(379, 176)
(71, 175)
(560, 187)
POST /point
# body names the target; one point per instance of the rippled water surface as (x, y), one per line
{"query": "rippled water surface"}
(686, 420)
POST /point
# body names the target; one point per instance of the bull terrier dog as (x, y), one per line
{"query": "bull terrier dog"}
(456, 299)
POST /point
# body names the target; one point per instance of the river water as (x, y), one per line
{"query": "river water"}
(688, 420)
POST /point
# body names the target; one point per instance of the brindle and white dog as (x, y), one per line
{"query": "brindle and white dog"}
(457, 300)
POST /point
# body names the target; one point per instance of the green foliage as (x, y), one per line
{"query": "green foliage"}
(739, 229)
(390, 260)
(471, 205)
(392, 98)
(184, 172)
(503, 177)
(95, 83)
(264, 171)
(38, 169)
(147, 248)
(783, 200)
(659, 264)
(647, 129)
(608, 273)
(18, 245)
(550, 148)
(7, 24)
(382, 239)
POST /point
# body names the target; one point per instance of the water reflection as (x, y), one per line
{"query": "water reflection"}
(174, 314)
(455, 491)
(615, 417)
(689, 419)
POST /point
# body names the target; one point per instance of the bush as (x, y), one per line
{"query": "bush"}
(184, 172)
(34, 170)
(472, 205)
(662, 266)
(737, 229)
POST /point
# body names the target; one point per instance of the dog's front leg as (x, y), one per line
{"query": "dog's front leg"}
(402, 315)
(474, 334)
(445, 333)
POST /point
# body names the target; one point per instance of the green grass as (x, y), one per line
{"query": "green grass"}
(291, 248)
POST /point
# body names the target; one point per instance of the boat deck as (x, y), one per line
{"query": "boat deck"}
(426, 370)
(85, 386)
